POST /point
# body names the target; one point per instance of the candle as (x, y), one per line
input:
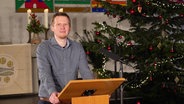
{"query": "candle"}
(61, 10)
(46, 17)
(28, 15)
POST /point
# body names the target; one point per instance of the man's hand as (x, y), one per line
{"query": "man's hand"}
(54, 99)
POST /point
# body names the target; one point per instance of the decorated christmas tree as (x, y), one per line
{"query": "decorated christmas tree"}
(153, 46)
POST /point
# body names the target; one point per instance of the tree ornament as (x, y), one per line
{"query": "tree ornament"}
(181, 15)
(151, 48)
(160, 17)
(148, 3)
(109, 48)
(159, 45)
(176, 79)
(129, 43)
(99, 41)
(172, 50)
(97, 33)
(139, 8)
(151, 78)
(87, 52)
(144, 15)
(138, 102)
(114, 15)
(132, 11)
(108, 13)
(155, 65)
(120, 37)
(133, 1)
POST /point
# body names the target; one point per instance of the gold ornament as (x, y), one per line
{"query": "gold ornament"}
(159, 45)
(176, 79)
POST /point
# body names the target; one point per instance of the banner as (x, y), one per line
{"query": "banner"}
(34, 5)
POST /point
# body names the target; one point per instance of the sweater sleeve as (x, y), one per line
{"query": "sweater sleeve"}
(44, 68)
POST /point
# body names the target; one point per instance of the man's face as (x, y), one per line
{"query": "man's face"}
(61, 27)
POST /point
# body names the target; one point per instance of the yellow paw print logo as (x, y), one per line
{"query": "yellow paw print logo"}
(6, 70)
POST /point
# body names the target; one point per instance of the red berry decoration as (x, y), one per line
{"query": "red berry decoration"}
(87, 52)
(172, 50)
(108, 13)
(129, 43)
(151, 48)
(109, 48)
(151, 78)
(132, 11)
(181, 15)
(138, 102)
(133, 1)
(99, 41)
(120, 37)
(160, 17)
(114, 16)
(97, 33)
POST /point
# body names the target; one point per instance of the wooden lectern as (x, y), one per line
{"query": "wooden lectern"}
(93, 91)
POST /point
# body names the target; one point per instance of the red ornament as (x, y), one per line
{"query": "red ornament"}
(132, 11)
(172, 50)
(129, 43)
(148, 3)
(151, 48)
(97, 33)
(87, 52)
(138, 102)
(155, 64)
(114, 16)
(133, 1)
(160, 17)
(144, 14)
(99, 41)
(120, 37)
(181, 15)
(151, 78)
(108, 13)
(109, 48)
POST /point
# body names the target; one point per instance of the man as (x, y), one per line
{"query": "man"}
(59, 59)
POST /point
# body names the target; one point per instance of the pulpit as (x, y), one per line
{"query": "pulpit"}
(94, 91)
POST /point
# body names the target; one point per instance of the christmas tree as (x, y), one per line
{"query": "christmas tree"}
(154, 45)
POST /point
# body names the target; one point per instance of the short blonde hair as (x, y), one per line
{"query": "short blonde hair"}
(60, 14)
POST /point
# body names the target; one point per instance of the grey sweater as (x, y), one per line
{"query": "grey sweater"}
(58, 65)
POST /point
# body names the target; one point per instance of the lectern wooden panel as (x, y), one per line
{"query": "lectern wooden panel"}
(98, 99)
(89, 89)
